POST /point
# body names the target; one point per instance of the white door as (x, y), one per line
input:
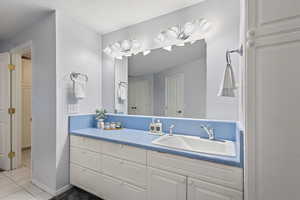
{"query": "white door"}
(174, 95)
(199, 190)
(4, 117)
(139, 99)
(272, 100)
(164, 185)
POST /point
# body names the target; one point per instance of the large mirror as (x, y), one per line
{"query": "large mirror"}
(152, 75)
(169, 83)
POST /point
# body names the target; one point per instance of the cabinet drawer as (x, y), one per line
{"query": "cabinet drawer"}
(83, 178)
(125, 152)
(202, 190)
(109, 188)
(85, 158)
(207, 171)
(86, 143)
(131, 192)
(128, 171)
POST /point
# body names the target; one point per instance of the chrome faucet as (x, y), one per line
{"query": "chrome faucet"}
(209, 131)
(171, 129)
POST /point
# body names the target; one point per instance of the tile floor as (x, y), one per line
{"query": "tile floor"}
(16, 184)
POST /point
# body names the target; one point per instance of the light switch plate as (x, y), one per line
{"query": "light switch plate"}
(73, 108)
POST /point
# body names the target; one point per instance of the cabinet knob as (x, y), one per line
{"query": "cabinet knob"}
(250, 43)
(250, 33)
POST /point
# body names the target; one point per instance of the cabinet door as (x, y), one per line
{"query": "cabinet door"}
(164, 185)
(272, 158)
(200, 190)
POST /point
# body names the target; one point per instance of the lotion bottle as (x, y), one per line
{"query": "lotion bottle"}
(158, 127)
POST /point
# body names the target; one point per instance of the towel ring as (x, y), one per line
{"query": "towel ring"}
(122, 83)
(75, 75)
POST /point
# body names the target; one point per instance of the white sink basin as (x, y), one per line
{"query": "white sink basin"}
(197, 144)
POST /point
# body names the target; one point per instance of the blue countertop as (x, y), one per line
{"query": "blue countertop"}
(142, 139)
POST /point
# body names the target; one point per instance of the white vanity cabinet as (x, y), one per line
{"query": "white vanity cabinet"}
(121, 172)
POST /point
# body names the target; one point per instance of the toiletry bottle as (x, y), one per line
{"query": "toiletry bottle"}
(152, 127)
(158, 127)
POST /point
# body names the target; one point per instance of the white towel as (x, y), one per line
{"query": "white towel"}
(79, 87)
(122, 90)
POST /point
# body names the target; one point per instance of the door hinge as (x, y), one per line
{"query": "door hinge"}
(11, 67)
(11, 111)
(11, 155)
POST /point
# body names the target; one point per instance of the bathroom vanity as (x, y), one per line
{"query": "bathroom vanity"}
(126, 164)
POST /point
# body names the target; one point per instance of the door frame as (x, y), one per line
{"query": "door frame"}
(17, 101)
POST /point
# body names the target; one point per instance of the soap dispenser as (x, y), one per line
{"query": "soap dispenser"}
(158, 127)
(152, 127)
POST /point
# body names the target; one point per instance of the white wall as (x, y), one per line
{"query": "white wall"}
(78, 50)
(59, 46)
(43, 37)
(224, 16)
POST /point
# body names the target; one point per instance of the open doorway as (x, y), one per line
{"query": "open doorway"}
(26, 119)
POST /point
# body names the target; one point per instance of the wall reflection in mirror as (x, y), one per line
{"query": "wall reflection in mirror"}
(169, 83)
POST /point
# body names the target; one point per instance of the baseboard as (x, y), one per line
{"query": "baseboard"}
(44, 187)
(49, 190)
(63, 189)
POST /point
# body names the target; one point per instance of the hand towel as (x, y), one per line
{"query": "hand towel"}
(122, 93)
(79, 87)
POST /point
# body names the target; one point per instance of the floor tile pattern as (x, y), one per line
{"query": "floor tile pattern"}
(17, 185)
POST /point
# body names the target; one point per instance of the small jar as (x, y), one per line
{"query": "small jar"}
(113, 125)
(118, 125)
(107, 126)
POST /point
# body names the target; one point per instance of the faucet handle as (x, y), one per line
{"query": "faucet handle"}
(171, 129)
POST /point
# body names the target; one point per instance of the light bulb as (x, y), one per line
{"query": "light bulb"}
(174, 31)
(116, 46)
(180, 44)
(135, 44)
(146, 52)
(107, 50)
(161, 37)
(189, 28)
(168, 48)
(126, 45)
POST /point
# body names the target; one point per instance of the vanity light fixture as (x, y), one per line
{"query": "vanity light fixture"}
(180, 34)
(123, 48)
(228, 85)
